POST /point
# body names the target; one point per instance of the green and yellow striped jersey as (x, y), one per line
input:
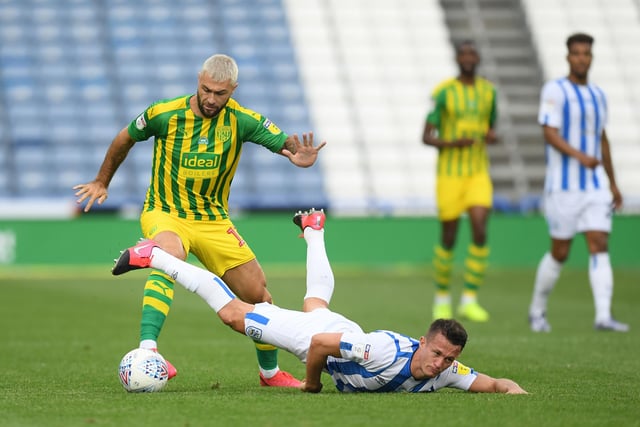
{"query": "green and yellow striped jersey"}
(463, 111)
(195, 158)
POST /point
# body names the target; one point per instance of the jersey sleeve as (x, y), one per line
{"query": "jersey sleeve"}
(493, 116)
(438, 105)
(258, 129)
(373, 351)
(551, 105)
(457, 376)
(140, 128)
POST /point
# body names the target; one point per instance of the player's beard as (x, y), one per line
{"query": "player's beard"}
(468, 70)
(580, 72)
(204, 112)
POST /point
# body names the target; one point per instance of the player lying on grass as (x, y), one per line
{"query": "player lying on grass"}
(379, 361)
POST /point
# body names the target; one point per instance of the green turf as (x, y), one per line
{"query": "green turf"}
(64, 330)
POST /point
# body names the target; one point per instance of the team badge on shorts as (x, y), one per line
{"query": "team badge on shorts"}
(253, 332)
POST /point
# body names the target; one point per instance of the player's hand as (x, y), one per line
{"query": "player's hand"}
(463, 142)
(310, 388)
(617, 198)
(91, 192)
(588, 161)
(491, 137)
(302, 154)
(517, 390)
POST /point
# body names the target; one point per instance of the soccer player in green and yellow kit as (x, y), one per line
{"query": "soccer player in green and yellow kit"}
(460, 124)
(198, 139)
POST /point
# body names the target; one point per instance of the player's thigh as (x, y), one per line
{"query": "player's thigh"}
(292, 330)
(596, 213)
(449, 197)
(162, 226)
(248, 282)
(223, 251)
(286, 329)
(479, 191)
(562, 210)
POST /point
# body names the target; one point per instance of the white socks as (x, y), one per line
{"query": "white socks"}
(204, 283)
(148, 344)
(601, 278)
(320, 280)
(546, 278)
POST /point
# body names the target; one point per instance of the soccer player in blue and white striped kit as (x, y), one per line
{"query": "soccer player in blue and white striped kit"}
(580, 190)
(378, 361)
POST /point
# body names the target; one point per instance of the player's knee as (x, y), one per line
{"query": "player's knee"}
(266, 296)
(560, 255)
(257, 296)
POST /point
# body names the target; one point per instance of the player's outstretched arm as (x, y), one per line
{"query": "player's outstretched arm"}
(487, 384)
(96, 190)
(302, 154)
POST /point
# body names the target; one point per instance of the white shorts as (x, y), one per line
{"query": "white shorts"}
(292, 330)
(570, 213)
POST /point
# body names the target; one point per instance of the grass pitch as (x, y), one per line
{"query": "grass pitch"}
(65, 330)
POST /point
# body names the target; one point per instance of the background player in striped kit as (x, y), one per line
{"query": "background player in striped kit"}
(197, 144)
(460, 124)
(379, 361)
(580, 187)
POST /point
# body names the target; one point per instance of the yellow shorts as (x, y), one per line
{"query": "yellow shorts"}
(217, 244)
(455, 195)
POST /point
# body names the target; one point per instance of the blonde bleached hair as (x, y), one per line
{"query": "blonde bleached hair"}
(221, 68)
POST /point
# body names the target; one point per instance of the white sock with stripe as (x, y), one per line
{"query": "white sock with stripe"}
(546, 277)
(207, 285)
(601, 279)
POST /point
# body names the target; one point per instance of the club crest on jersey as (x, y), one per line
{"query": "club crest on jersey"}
(141, 123)
(223, 133)
(253, 332)
(271, 127)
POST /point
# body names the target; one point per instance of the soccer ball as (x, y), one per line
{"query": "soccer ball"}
(143, 371)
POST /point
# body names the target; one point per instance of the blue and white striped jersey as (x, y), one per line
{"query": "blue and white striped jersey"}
(580, 114)
(380, 361)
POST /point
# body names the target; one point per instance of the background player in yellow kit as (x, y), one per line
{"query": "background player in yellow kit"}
(460, 124)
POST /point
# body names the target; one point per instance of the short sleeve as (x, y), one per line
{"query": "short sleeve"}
(139, 129)
(552, 101)
(457, 376)
(437, 106)
(373, 350)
